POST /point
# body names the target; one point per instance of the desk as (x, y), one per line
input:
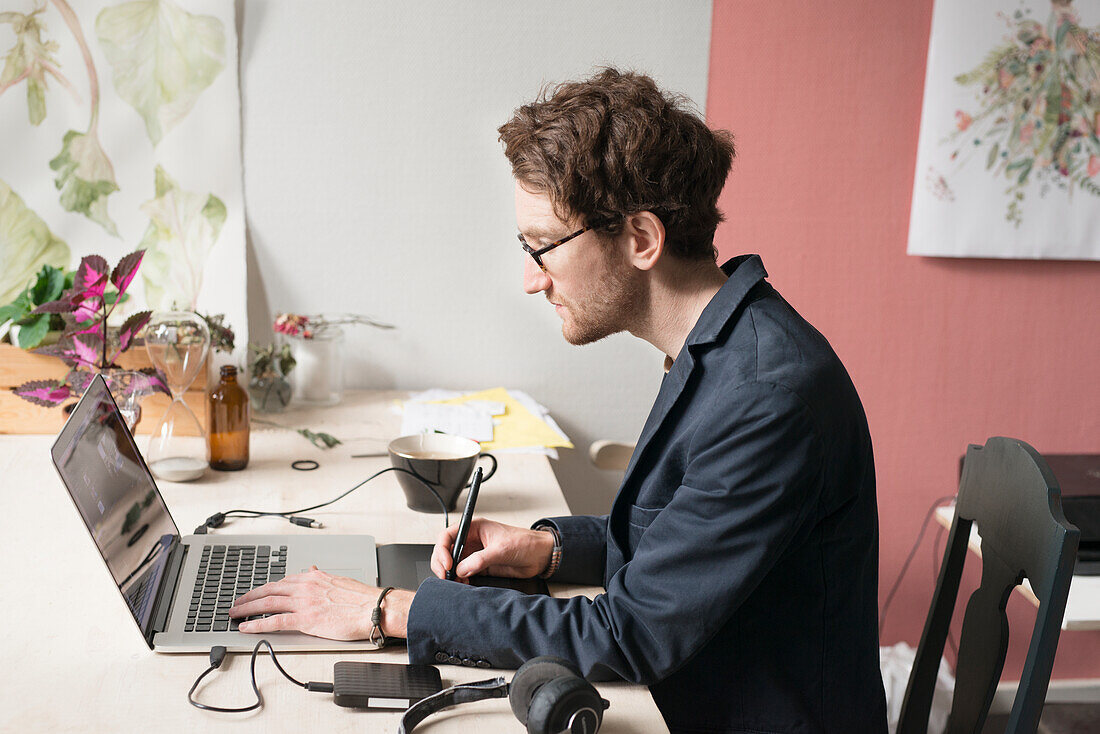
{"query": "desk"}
(74, 660)
(1083, 604)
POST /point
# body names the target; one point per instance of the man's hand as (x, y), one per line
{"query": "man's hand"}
(494, 549)
(322, 605)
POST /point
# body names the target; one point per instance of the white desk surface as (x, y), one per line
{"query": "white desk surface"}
(75, 661)
(1083, 604)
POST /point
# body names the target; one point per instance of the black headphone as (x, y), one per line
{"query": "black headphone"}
(547, 694)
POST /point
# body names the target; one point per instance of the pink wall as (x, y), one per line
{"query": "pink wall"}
(825, 108)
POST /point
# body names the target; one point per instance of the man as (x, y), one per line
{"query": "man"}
(740, 556)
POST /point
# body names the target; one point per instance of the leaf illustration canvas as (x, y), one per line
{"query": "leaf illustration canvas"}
(1008, 162)
(163, 57)
(121, 129)
(26, 244)
(183, 227)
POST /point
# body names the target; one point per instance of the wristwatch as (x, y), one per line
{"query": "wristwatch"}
(555, 555)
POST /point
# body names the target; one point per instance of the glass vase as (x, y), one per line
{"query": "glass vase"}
(270, 393)
(318, 374)
(128, 388)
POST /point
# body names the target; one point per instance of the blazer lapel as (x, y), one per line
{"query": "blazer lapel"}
(671, 389)
(744, 273)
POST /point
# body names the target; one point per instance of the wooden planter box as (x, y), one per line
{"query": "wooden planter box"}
(19, 416)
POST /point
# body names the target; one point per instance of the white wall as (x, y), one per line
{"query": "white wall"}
(374, 183)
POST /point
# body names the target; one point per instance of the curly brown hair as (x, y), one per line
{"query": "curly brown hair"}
(615, 144)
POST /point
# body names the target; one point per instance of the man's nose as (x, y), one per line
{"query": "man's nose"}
(534, 279)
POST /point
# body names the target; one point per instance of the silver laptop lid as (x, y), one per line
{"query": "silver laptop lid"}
(114, 492)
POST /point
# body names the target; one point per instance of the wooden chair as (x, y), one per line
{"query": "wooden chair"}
(1010, 493)
(610, 455)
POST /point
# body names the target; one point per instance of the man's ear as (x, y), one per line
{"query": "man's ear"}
(646, 239)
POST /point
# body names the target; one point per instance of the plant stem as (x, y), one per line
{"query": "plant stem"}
(93, 79)
(321, 440)
(62, 80)
(103, 325)
(15, 81)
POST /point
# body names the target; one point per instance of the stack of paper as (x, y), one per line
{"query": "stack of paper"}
(501, 420)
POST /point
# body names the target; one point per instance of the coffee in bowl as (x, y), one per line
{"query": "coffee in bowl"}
(445, 463)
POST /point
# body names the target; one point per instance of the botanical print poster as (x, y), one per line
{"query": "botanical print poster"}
(1008, 164)
(120, 130)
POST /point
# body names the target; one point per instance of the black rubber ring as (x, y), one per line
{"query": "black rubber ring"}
(304, 465)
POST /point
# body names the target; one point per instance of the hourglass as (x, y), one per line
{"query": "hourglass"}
(177, 342)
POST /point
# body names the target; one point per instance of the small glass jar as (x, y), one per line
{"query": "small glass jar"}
(318, 374)
(271, 392)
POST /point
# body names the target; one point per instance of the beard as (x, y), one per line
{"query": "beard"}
(607, 309)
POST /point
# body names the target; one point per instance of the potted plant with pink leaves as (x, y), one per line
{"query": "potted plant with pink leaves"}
(89, 346)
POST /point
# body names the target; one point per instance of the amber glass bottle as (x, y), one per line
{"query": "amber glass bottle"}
(227, 413)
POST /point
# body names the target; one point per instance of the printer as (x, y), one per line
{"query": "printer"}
(1079, 477)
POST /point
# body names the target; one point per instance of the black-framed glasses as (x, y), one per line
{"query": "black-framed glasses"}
(536, 255)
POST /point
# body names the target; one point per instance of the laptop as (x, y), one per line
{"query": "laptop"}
(178, 589)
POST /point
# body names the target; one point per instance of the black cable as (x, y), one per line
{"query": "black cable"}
(908, 560)
(217, 656)
(216, 520)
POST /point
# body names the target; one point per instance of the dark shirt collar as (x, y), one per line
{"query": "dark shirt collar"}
(743, 272)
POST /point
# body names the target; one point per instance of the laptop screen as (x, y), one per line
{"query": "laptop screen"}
(114, 492)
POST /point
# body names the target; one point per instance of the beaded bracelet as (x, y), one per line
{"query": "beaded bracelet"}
(376, 620)
(555, 555)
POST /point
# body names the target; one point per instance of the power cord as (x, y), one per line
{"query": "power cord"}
(909, 559)
(218, 518)
(217, 657)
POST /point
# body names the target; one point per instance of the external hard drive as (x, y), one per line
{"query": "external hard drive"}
(383, 685)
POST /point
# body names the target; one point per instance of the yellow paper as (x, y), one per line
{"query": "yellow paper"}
(518, 426)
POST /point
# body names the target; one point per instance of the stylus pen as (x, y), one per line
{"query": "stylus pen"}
(464, 525)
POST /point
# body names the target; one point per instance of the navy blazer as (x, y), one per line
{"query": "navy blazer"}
(740, 557)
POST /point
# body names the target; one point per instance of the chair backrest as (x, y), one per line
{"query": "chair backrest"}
(1008, 491)
(610, 455)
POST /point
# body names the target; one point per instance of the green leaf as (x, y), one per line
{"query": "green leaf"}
(26, 244)
(31, 334)
(286, 360)
(11, 312)
(111, 297)
(214, 211)
(85, 178)
(320, 439)
(1025, 171)
(163, 58)
(992, 157)
(48, 286)
(18, 309)
(183, 227)
(987, 69)
(1060, 34)
(36, 101)
(30, 59)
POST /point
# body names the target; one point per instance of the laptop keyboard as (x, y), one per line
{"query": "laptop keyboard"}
(225, 573)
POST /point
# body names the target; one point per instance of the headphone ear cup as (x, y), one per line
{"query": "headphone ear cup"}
(533, 674)
(565, 704)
